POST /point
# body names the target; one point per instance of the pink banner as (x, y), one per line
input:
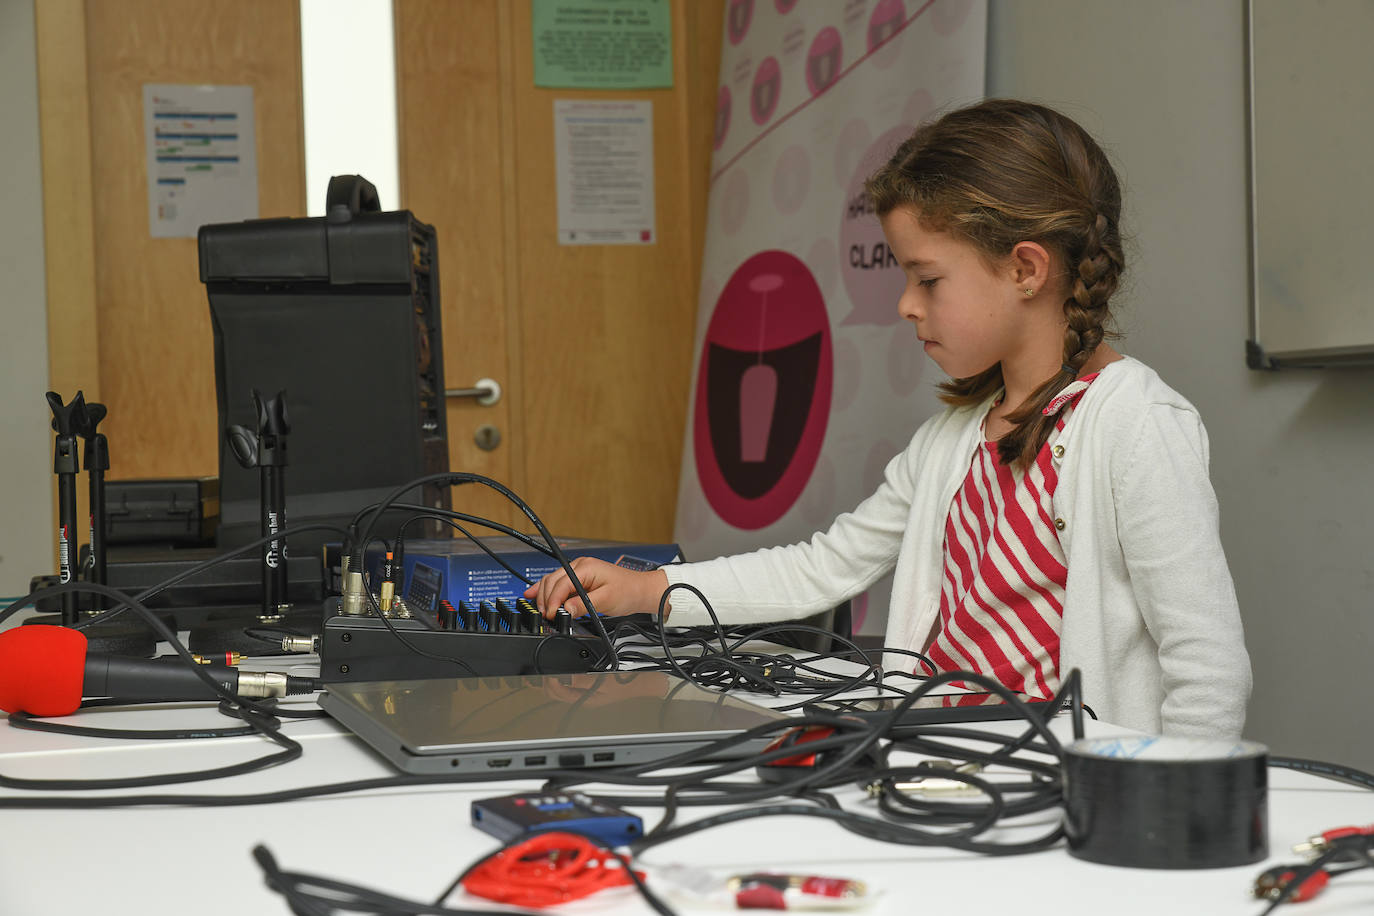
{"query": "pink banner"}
(806, 382)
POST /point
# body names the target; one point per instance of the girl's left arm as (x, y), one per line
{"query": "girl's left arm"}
(1169, 532)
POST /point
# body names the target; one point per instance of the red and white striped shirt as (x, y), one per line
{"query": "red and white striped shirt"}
(1002, 599)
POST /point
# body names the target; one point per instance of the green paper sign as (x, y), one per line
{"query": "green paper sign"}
(602, 44)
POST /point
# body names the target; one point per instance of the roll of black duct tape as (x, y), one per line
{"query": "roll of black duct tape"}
(1152, 802)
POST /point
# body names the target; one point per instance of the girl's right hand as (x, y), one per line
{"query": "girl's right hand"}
(613, 589)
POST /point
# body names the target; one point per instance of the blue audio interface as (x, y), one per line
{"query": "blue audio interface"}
(459, 572)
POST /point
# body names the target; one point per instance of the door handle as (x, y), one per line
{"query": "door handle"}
(486, 391)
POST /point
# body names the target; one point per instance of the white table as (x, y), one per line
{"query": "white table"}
(413, 842)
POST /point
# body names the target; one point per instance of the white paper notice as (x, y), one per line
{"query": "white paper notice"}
(202, 157)
(605, 156)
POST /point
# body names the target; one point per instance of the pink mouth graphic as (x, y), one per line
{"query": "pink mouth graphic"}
(764, 390)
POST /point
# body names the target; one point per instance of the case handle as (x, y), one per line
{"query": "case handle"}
(349, 195)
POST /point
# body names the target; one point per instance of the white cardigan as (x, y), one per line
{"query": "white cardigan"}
(1150, 613)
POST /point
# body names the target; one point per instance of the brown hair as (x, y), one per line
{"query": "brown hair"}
(1005, 171)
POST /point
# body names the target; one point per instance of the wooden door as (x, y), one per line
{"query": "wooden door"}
(592, 344)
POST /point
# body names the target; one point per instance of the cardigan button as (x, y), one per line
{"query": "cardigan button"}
(1059, 523)
(1059, 451)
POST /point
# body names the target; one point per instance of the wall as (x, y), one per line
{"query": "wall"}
(1163, 86)
(26, 491)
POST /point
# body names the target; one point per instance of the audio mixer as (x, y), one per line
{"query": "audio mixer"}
(493, 638)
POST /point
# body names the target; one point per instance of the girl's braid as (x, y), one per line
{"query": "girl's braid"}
(1094, 282)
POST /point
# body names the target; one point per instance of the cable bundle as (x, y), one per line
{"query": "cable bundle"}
(548, 868)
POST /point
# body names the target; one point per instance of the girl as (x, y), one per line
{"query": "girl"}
(1058, 514)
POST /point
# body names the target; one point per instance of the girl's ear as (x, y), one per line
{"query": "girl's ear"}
(1030, 266)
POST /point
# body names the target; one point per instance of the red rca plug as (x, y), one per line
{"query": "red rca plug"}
(1328, 838)
(1272, 883)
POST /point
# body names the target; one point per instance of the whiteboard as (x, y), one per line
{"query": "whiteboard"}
(1312, 182)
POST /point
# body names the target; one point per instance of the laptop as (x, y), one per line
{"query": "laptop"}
(541, 722)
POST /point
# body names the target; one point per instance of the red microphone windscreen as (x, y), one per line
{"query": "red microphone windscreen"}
(41, 669)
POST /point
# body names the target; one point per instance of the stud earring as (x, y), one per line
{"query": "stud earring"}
(1029, 291)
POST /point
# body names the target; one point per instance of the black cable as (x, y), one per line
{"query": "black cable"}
(840, 686)
(758, 633)
(864, 825)
(726, 670)
(291, 750)
(27, 722)
(720, 635)
(1326, 770)
(64, 802)
(448, 514)
(271, 703)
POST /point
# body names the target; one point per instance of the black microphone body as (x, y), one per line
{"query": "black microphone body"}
(151, 679)
(170, 678)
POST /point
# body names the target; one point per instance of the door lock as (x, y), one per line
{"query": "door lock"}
(487, 437)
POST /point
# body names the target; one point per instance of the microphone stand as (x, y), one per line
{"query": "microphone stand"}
(267, 452)
(97, 458)
(66, 465)
(263, 448)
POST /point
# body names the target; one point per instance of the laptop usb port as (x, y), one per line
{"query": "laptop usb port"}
(603, 756)
(496, 762)
(536, 761)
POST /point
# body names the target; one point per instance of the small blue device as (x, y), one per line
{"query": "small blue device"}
(510, 817)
